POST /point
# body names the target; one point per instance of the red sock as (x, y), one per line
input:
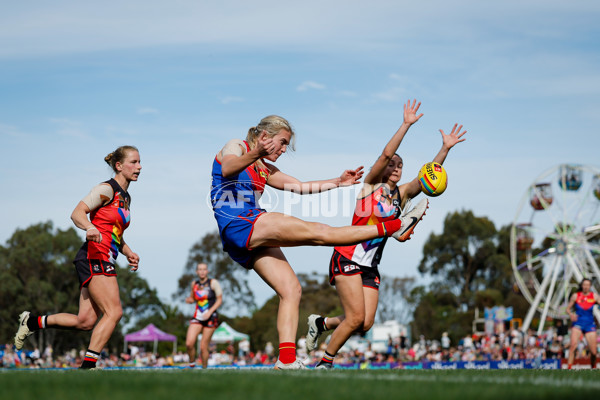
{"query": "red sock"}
(387, 228)
(287, 352)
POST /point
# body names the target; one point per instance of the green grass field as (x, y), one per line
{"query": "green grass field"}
(269, 384)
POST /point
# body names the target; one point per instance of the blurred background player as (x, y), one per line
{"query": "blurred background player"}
(253, 237)
(108, 207)
(208, 296)
(354, 269)
(583, 320)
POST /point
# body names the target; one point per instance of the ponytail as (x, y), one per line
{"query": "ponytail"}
(118, 156)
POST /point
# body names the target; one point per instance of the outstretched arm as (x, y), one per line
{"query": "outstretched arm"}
(410, 117)
(282, 181)
(412, 188)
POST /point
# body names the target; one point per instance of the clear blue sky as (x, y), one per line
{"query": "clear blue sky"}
(180, 78)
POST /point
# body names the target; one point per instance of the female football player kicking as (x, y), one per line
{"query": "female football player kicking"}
(254, 237)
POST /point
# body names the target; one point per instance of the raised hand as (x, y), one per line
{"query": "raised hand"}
(265, 146)
(351, 176)
(454, 137)
(410, 112)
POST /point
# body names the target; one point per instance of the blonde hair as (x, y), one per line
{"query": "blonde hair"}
(272, 125)
(118, 156)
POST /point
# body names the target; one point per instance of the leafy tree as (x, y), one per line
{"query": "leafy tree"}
(461, 254)
(238, 298)
(318, 297)
(470, 264)
(438, 311)
(37, 274)
(394, 293)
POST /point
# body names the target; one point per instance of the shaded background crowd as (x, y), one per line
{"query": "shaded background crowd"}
(467, 268)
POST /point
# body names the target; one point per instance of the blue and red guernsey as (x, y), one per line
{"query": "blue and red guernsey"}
(231, 196)
(584, 308)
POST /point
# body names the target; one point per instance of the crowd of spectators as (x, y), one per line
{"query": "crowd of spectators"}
(509, 345)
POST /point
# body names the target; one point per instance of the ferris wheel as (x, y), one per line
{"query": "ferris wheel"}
(555, 239)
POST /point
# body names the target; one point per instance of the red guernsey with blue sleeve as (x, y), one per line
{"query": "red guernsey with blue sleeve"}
(584, 308)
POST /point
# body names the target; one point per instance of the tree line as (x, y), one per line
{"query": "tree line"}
(467, 264)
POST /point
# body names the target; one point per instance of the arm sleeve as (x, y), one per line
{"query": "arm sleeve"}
(216, 286)
(98, 196)
(233, 147)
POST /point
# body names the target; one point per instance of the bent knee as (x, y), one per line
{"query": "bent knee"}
(87, 324)
(368, 324)
(355, 321)
(115, 313)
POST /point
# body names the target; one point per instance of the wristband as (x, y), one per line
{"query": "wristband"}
(93, 227)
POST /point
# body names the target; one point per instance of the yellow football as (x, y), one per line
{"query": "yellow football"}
(433, 179)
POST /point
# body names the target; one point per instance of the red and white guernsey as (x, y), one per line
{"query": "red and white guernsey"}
(372, 209)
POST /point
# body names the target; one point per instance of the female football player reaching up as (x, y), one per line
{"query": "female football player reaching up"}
(354, 269)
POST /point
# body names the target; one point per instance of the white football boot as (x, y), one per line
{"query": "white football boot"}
(23, 332)
(313, 334)
(294, 365)
(410, 220)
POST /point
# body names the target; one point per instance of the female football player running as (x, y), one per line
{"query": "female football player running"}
(108, 206)
(208, 297)
(583, 320)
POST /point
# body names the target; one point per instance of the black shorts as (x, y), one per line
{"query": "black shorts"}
(88, 268)
(212, 322)
(340, 265)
